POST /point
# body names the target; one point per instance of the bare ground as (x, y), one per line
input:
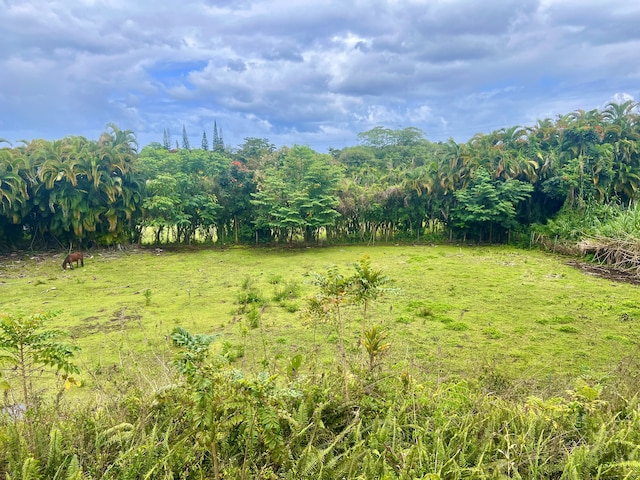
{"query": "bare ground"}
(605, 272)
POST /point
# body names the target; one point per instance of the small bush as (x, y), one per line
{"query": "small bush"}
(292, 307)
(248, 295)
(568, 329)
(425, 312)
(457, 326)
(404, 320)
(444, 319)
(232, 352)
(253, 318)
(147, 296)
(493, 333)
(287, 291)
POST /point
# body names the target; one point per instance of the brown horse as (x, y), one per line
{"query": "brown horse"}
(73, 257)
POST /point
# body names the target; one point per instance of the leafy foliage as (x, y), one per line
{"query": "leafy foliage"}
(487, 202)
(395, 185)
(196, 349)
(297, 195)
(27, 351)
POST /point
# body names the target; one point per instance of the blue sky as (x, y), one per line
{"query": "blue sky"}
(308, 72)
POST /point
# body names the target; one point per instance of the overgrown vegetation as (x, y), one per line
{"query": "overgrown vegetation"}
(218, 422)
(478, 363)
(364, 381)
(395, 185)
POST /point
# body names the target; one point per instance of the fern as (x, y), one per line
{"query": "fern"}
(118, 435)
(308, 464)
(74, 471)
(55, 451)
(30, 469)
(271, 432)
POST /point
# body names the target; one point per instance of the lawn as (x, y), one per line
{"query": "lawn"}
(524, 317)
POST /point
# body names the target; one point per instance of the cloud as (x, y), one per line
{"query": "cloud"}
(315, 73)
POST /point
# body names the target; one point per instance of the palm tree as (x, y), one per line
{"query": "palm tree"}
(117, 149)
(626, 168)
(504, 152)
(56, 163)
(455, 166)
(13, 188)
(620, 119)
(545, 132)
(420, 180)
(113, 187)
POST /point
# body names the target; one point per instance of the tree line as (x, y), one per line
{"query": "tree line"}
(393, 185)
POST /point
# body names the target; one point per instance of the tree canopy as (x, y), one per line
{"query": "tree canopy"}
(396, 184)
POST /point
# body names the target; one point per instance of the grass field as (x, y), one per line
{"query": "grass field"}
(498, 312)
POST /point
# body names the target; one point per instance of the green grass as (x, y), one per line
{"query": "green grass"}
(458, 311)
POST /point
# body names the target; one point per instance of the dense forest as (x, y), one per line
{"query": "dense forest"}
(395, 185)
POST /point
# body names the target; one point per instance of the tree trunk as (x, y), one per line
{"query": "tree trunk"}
(235, 226)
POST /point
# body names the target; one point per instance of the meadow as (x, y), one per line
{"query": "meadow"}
(523, 316)
(472, 362)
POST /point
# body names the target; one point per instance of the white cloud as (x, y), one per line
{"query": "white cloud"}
(308, 72)
(622, 97)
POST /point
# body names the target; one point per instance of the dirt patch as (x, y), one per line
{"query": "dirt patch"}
(120, 319)
(92, 325)
(603, 271)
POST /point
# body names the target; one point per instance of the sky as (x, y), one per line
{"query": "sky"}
(313, 72)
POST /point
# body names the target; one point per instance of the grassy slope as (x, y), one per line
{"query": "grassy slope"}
(522, 314)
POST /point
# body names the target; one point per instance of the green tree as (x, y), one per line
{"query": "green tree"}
(15, 182)
(621, 120)
(380, 137)
(166, 140)
(161, 206)
(13, 187)
(298, 195)
(181, 192)
(119, 186)
(185, 139)
(367, 285)
(218, 142)
(333, 294)
(488, 202)
(205, 142)
(28, 350)
(83, 190)
(235, 186)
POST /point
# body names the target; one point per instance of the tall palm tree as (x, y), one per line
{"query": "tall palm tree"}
(117, 149)
(626, 169)
(55, 163)
(620, 119)
(507, 152)
(13, 188)
(455, 165)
